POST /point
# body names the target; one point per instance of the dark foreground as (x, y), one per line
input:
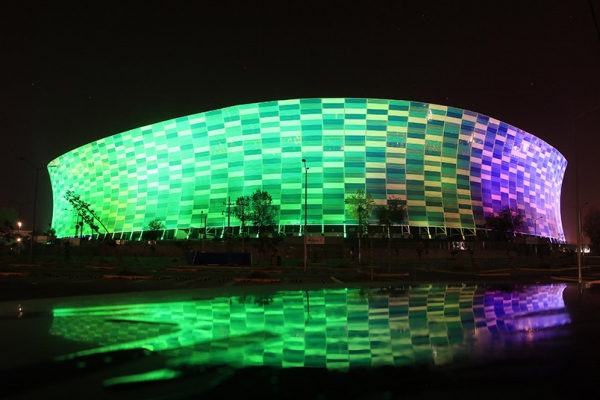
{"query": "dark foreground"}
(559, 361)
(22, 281)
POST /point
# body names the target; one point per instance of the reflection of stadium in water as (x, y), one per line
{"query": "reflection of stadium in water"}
(333, 328)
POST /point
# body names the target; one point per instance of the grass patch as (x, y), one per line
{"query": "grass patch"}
(345, 265)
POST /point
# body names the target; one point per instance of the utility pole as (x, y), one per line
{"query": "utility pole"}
(580, 242)
(579, 234)
(228, 204)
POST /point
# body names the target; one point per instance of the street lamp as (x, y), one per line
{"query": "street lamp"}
(579, 242)
(228, 211)
(19, 238)
(305, 209)
(203, 217)
(37, 175)
(576, 143)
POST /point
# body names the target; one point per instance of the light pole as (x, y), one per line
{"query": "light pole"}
(19, 238)
(37, 175)
(576, 143)
(305, 209)
(203, 217)
(242, 204)
(579, 243)
(228, 211)
(360, 232)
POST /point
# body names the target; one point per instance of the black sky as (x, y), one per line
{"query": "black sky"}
(74, 72)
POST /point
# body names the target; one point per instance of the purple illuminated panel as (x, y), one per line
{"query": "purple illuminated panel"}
(451, 167)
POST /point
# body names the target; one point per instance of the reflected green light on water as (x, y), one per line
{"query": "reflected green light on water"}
(330, 328)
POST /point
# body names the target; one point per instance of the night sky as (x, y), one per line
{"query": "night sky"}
(75, 72)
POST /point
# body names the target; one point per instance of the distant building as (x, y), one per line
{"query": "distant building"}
(451, 167)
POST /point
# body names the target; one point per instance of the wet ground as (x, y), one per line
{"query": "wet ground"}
(547, 351)
(561, 366)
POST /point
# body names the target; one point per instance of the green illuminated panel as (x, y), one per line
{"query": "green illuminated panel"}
(334, 328)
(451, 166)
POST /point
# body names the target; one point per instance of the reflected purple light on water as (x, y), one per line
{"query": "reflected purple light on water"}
(524, 309)
(329, 328)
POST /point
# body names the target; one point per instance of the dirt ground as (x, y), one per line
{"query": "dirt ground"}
(51, 276)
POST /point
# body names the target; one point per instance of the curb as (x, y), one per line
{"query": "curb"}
(257, 280)
(137, 277)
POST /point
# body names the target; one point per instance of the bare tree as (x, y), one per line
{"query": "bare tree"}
(84, 211)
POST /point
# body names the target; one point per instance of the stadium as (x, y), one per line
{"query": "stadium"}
(450, 167)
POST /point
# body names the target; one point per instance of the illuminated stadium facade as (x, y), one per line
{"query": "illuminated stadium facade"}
(451, 167)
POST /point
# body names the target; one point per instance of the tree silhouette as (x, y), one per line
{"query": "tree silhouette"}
(259, 210)
(83, 210)
(591, 226)
(240, 210)
(394, 213)
(154, 229)
(360, 207)
(505, 223)
(8, 217)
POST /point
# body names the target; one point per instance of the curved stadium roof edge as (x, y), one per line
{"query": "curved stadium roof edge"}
(451, 166)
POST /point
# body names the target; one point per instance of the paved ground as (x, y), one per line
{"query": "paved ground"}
(74, 278)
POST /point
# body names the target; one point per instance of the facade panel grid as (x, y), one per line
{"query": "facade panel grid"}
(451, 166)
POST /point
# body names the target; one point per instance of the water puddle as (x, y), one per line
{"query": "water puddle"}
(330, 328)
